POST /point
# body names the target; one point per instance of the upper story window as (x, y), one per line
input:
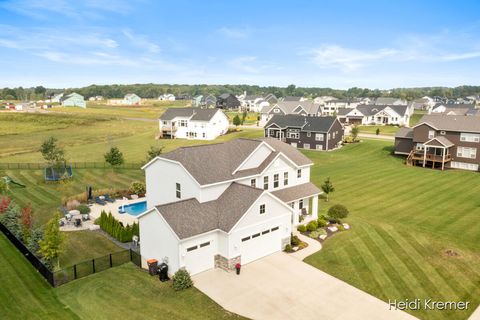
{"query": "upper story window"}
(469, 137)
(464, 152)
(431, 134)
(299, 173)
(262, 209)
(293, 135)
(275, 180)
(253, 183)
(319, 136)
(182, 123)
(178, 190)
(442, 133)
(165, 123)
(309, 134)
(265, 183)
(285, 178)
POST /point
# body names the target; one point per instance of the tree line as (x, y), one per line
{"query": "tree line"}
(151, 90)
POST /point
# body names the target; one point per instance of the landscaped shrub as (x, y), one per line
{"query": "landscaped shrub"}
(4, 203)
(116, 229)
(288, 248)
(84, 209)
(312, 225)
(294, 241)
(137, 188)
(341, 227)
(302, 228)
(322, 222)
(337, 212)
(72, 204)
(182, 280)
(10, 220)
(314, 234)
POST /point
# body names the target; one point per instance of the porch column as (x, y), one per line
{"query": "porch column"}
(443, 158)
(424, 156)
(315, 207)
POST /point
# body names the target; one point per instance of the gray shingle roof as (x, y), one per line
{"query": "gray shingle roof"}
(216, 162)
(452, 123)
(289, 106)
(386, 100)
(189, 217)
(455, 105)
(297, 192)
(370, 110)
(291, 98)
(317, 124)
(404, 133)
(195, 113)
(442, 140)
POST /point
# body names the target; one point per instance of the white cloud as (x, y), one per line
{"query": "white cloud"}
(141, 41)
(234, 33)
(334, 56)
(244, 63)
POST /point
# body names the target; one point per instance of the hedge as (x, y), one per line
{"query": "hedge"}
(116, 229)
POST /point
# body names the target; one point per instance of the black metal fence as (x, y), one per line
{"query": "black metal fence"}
(74, 165)
(79, 270)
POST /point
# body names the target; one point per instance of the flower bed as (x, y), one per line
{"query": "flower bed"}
(295, 244)
(321, 228)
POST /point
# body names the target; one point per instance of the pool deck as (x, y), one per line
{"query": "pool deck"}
(125, 218)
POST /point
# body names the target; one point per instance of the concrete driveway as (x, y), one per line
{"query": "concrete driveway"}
(282, 287)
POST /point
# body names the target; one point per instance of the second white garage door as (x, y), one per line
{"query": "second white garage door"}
(260, 244)
(200, 257)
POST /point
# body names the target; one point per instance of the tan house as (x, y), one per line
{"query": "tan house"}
(441, 141)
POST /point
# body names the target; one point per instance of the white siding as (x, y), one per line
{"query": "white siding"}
(157, 241)
(212, 192)
(257, 157)
(161, 177)
(202, 258)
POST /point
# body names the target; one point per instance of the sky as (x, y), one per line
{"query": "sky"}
(337, 44)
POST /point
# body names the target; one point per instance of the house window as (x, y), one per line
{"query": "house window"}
(253, 183)
(431, 134)
(442, 133)
(299, 173)
(178, 190)
(192, 248)
(318, 136)
(262, 209)
(329, 136)
(245, 239)
(203, 135)
(309, 134)
(276, 110)
(274, 229)
(319, 147)
(306, 146)
(205, 244)
(256, 235)
(293, 135)
(334, 135)
(285, 178)
(300, 204)
(464, 152)
(183, 123)
(265, 232)
(265, 183)
(165, 123)
(470, 137)
(292, 204)
(275, 180)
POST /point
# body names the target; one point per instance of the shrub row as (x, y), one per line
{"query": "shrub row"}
(116, 229)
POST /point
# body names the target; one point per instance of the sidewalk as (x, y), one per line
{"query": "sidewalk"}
(313, 246)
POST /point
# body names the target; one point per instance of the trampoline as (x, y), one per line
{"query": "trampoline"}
(57, 174)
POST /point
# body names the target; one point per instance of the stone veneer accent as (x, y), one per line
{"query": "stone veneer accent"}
(226, 264)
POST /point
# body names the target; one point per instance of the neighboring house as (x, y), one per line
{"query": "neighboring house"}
(209, 101)
(293, 98)
(95, 98)
(193, 123)
(318, 133)
(390, 101)
(376, 115)
(216, 205)
(441, 141)
(445, 107)
(424, 103)
(73, 100)
(183, 96)
(323, 99)
(271, 98)
(307, 108)
(227, 101)
(166, 97)
(132, 99)
(55, 98)
(331, 107)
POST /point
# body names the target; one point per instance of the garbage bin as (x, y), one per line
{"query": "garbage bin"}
(163, 272)
(152, 266)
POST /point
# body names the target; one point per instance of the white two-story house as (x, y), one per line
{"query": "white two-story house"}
(221, 204)
(193, 123)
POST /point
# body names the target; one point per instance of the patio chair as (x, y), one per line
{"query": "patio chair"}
(85, 217)
(100, 201)
(107, 198)
(68, 216)
(78, 222)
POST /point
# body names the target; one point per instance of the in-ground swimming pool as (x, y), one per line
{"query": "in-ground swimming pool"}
(133, 209)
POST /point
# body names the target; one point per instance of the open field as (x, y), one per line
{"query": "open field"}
(122, 292)
(384, 130)
(404, 219)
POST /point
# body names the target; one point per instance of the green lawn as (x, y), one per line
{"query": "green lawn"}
(403, 219)
(123, 292)
(384, 130)
(417, 115)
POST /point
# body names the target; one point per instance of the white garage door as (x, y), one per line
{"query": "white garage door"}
(199, 258)
(260, 244)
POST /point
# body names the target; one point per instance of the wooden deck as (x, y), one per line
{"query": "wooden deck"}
(428, 160)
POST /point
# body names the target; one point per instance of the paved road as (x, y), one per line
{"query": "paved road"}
(282, 287)
(374, 136)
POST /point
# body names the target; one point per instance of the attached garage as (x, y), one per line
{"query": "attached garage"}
(260, 244)
(199, 257)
